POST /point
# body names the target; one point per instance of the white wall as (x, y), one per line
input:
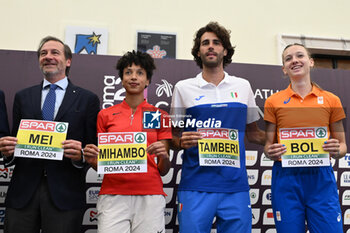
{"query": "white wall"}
(255, 24)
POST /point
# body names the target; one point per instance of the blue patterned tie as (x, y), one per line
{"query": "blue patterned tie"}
(49, 104)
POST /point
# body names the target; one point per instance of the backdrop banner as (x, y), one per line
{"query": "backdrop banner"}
(20, 69)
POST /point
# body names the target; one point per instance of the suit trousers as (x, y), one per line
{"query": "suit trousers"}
(42, 214)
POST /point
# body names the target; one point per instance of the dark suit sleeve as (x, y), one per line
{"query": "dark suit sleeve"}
(90, 136)
(91, 122)
(16, 115)
(16, 119)
(91, 119)
(4, 126)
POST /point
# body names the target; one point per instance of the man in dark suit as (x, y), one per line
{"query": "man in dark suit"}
(50, 194)
(4, 126)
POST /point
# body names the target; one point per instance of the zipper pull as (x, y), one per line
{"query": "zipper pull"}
(131, 117)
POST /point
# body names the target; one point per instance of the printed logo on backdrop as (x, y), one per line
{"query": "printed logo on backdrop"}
(156, 52)
(169, 192)
(90, 217)
(271, 231)
(265, 162)
(266, 197)
(335, 175)
(91, 231)
(256, 230)
(268, 217)
(345, 161)
(169, 176)
(3, 192)
(113, 91)
(345, 179)
(178, 176)
(92, 195)
(168, 215)
(333, 162)
(264, 93)
(251, 157)
(252, 176)
(158, 45)
(179, 157)
(84, 40)
(6, 174)
(255, 215)
(266, 177)
(93, 177)
(86, 43)
(2, 215)
(347, 217)
(346, 197)
(254, 196)
(164, 88)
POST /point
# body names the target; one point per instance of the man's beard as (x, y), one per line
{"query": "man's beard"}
(212, 63)
(49, 74)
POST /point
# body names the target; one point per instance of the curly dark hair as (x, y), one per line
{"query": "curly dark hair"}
(138, 58)
(222, 33)
(67, 51)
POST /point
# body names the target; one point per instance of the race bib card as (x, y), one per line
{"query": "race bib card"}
(219, 147)
(304, 147)
(41, 139)
(122, 152)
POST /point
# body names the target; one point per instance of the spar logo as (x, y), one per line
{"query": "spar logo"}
(219, 133)
(61, 127)
(303, 133)
(233, 135)
(116, 138)
(321, 133)
(140, 138)
(48, 126)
